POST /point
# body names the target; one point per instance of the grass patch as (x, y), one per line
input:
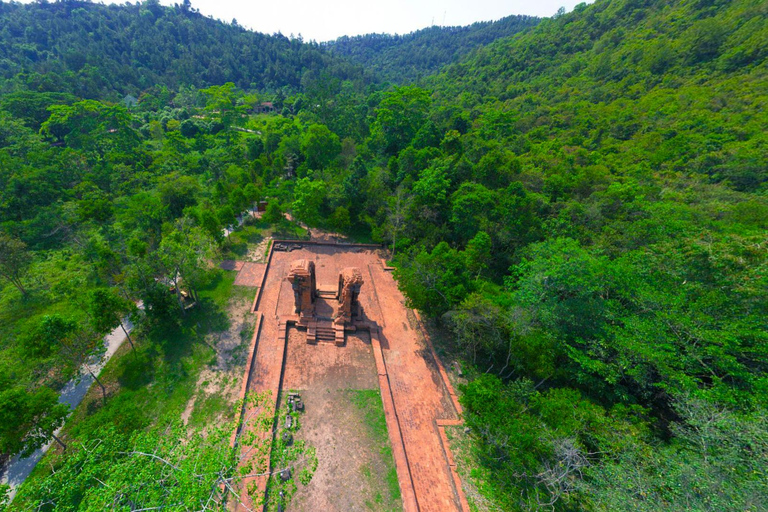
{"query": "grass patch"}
(210, 408)
(240, 293)
(371, 409)
(241, 240)
(481, 496)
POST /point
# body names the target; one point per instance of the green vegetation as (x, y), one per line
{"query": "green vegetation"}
(406, 58)
(109, 51)
(149, 387)
(579, 208)
(166, 463)
(368, 403)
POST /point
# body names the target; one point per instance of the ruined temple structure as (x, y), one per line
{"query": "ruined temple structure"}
(350, 282)
(302, 278)
(317, 320)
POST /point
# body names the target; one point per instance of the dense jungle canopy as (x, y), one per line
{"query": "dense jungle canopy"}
(579, 204)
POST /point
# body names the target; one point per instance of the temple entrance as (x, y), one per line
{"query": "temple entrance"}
(326, 311)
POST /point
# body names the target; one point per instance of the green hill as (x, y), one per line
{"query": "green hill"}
(606, 173)
(662, 85)
(106, 51)
(406, 58)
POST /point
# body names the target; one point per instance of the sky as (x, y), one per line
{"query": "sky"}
(327, 20)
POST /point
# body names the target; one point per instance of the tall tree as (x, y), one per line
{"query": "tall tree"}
(397, 209)
(184, 254)
(28, 420)
(14, 260)
(109, 310)
(79, 345)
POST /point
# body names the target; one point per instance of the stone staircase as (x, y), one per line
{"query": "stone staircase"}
(325, 332)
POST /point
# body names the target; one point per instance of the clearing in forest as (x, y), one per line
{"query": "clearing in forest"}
(384, 356)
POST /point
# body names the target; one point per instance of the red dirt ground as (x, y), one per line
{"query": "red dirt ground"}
(326, 365)
(413, 391)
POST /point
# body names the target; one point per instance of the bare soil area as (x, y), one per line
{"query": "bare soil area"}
(355, 468)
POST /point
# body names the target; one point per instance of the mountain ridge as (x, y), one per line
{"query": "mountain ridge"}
(408, 57)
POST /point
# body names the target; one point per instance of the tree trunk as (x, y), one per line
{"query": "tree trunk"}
(128, 336)
(103, 389)
(394, 243)
(17, 284)
(178, 296)
(124, 292)
(61, 443)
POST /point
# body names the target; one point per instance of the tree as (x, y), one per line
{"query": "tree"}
(108, 310)
(91, 126)
(78, 345)
(273, 213)
(478, 253)
(308, 198)
(210, 222)
(28, 420)
(184, 255)
(398, 118)
(252, 194)
(397, 209)
(472, 208)
(434, 282)
(339, 219)
(14, 260)
(221, 101)
(226, 216)
(237, 199)
(478, 325)
(178, 192)
(320, 146)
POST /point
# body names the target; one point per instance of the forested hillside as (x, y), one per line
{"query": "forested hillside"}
(603, 195)
(405, 58)
(579, 209)
(107, 51)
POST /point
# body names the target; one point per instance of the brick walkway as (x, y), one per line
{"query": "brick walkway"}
(419, 395)
(410, 378)
(250, 274)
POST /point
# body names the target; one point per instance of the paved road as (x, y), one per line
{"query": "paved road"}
(73, 393)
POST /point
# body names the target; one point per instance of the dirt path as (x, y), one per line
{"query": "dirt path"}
(352, 461)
